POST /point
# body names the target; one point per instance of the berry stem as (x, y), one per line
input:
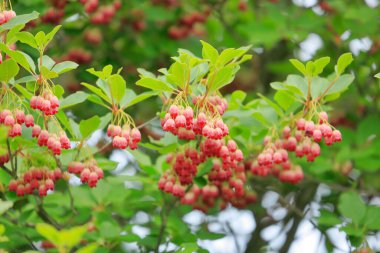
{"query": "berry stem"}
(327, 89)
(14, 169)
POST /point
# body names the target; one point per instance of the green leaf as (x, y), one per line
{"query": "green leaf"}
(342, 84)
(284, 99)
(23, 91)
(140, 98)
(71, 237)
(19, 57)
(117, 86)
(51, 34)
(154, 84)
(4, 206)
(109, 230)
(48, 74)
(90, 248)
(272, 104)
(104, 74)
(178, 74)
(377, 75)
(88, 126)
(65, 66)
(320, 64)
(40, 38)
(343, 62)
(299, 66)
(352, 206)
(310, 68)
(18, 20)
(27, 38)
(97, 91)
(372, 218)
(47, 62)
(328, 219)
(8, 70)
(223, 77)
(188, 248)
(11, 35)
(209, 52)
(49, 232)
(74, 99)
(58, 91)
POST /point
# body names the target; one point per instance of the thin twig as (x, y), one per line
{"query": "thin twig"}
(147, 123)
(14, 170)
(45, 216)
(6, 170)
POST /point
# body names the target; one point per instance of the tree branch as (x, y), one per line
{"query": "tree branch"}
(164, 218)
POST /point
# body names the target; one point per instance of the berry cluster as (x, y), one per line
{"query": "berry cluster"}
(166, 3)
(53, 16)
(52, 141)
(101, 14)
(39, 179)
(123, 137)
(303, 141)
(181, 122)
(47, 103)
(5, 16)
(88, 171)
(14, 120)
(226, 177)
(187, 25)
(78, 55)
(93, 36)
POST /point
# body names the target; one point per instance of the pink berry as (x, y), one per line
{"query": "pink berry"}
(336, 136)
(29, 120)
(135, 135)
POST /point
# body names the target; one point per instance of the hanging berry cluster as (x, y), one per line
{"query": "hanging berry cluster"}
(37, 179)
(303, 140)
(88, 171)
(6, 15)
(14, 120)
(226, 176)
(208, 123)
(208, 169)
(101, 14)
(123, 131)
(47, 103)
